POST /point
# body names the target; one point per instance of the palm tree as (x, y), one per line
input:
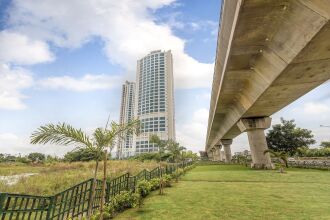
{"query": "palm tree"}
(161, 144)
(175, 150)
(98, 143)
(282, 156)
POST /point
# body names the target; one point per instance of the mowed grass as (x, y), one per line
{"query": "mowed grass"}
(237, 192)
(56, 177)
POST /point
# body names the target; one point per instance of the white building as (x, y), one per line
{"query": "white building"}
(154, 100)
(125, 145)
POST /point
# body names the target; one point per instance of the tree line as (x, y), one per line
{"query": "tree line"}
(294, 141)
(34, 157)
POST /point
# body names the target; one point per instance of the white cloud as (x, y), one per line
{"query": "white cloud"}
(204, 95)
(195, 26)
(192, 134)
(12, 81)
(316, 108)
(240, 143)
(19, 49)
(8, 137)
(204, 25)
(127, 27)
(11, 143)
(85, 83)
(173, 21)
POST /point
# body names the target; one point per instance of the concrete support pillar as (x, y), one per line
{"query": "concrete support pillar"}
(210, 155)
(255, 130)
(226, 147)
(222, 156)
(217, 152)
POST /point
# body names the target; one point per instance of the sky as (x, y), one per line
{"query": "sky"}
(65, 61)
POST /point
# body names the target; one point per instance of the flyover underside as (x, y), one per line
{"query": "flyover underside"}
(279, 51)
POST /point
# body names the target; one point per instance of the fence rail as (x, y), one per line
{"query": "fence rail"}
(75, 201)
(310, 164)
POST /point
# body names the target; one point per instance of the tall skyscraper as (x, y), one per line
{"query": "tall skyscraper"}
(125, 145)
(154, 99)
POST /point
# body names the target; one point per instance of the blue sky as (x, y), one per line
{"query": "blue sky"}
(68, 65)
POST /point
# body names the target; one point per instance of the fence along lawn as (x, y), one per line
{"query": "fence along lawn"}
(75, 201)
(236, 192)
(56, 177)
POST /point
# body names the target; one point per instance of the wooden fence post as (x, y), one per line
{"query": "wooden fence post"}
(127, 180)
(107, 192)
(90, 200)
(50, 207)
(3, 197)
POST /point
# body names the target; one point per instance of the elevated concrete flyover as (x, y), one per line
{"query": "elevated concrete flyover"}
(269, 53)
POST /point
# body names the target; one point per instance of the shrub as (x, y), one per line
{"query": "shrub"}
(175, 175)
(151, 156)
(154, 183)
(97, 216)
(167, 180)
(123, 201)
(36, 157)
(143, 188)
(119, 203)
(127, 199)
(188, 168)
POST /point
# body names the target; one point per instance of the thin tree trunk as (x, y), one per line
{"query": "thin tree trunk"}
(90, 208)
(160, 180)
(177, 175)
(281, 170)
(160, 174)
(103, 183)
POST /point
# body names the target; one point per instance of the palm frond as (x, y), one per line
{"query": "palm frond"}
(271, 152)
(128, 128)
(62, 134)
(103, 138)
(108, 136)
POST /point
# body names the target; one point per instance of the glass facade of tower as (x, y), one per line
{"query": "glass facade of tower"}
(152, 84)
(154, 100)
(125, 145)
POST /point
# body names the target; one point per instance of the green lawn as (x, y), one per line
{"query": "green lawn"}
(236, 192)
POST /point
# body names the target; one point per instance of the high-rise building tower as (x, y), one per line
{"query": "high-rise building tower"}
(154, 99)
(125, 145)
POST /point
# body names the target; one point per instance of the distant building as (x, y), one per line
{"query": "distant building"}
(154, 100)
(125, 145)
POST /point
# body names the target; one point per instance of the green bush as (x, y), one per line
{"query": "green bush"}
(167, 180)
(123, 201)
(81, 155)
(154, 183)
(151, 156)
(119, 203)
(127, 199)
(188, 168)
(143, 188)
(97, 216)
(178, 173)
